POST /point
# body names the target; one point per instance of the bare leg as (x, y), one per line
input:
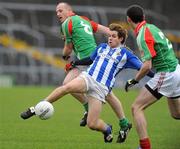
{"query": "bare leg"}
(174, 107)
(78, 85)
(82, 98)
(93, 121)
(115, 105)
(70, 76)
(144, 99)
(124, 124)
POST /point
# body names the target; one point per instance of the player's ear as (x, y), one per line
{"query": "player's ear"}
(129, 19)
(121, 39)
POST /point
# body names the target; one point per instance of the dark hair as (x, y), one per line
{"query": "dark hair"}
(121, 31)
(135, 13)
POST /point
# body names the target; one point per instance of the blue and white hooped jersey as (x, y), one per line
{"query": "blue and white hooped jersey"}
(108, 62)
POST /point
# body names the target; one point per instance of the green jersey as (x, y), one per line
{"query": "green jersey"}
(154, 45)
(79, 31)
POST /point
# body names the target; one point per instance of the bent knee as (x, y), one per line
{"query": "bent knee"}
(135, 109)
(91, 125)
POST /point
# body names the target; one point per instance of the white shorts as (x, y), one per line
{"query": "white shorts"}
(94, 88)
(166, 83)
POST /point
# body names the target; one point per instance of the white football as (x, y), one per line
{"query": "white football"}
(44, 110)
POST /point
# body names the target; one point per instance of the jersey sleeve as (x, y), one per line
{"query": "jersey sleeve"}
(133, 61)
(94, 54)
(147, 45)
(67, 31)
(94, 25)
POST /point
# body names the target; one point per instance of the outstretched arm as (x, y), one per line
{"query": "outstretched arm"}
(98, 28)
(103, 29)
(135, 63)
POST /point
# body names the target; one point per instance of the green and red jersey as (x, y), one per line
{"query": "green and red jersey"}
(154, 45)
(79, 30)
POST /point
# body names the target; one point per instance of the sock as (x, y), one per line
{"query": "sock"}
(86, 106)
(145, 143)
(123, 122)
(108, 130)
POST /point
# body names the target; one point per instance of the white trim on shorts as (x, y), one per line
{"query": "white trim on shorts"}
(166, 83)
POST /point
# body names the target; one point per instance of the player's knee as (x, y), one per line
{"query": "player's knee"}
(91, 125)
(134, 109)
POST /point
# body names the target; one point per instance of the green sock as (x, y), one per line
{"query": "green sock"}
(86, 106)
(123, 122)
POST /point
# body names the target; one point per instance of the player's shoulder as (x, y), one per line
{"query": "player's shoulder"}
(127, 49)
(103, 45)
(85, 18)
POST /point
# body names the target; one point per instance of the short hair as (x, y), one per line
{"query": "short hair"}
(122, 32)
(67, 5)
(135, 13)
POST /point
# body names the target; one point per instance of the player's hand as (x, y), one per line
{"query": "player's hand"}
(69, 66)
(130, 83)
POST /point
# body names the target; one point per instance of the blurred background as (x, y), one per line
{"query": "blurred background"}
(30, 43)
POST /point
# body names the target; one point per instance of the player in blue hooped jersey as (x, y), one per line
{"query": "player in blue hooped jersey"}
(108, 62)
(97, 81)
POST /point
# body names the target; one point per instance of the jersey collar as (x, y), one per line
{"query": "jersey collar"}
(119, 46)
(69, 15)
(138, 27)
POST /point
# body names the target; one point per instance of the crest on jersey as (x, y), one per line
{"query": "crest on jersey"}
(118, 53)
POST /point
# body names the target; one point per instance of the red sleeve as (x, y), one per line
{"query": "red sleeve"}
(94, 25)
(149, 39)
(70, 27)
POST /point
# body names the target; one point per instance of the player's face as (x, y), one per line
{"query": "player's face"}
(62, 12)
(114, 40)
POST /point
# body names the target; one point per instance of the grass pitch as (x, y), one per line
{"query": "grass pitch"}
(62, 131)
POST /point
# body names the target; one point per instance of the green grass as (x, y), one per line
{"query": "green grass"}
(62, 131)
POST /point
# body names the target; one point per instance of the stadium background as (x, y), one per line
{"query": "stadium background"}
(30, 67)
(30, 44)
